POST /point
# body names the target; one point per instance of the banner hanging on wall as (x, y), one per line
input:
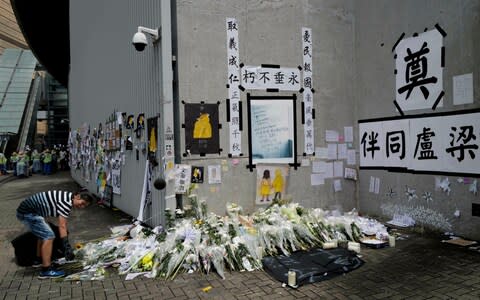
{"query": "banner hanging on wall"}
(233, 63)
(264, 78)
(308, 126)
(444, 143)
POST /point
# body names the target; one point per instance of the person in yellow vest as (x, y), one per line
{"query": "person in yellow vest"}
(3, 164)
(13, 163)
(37, 165)
(47, 162)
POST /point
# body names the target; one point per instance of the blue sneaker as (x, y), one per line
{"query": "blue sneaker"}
(51, 273)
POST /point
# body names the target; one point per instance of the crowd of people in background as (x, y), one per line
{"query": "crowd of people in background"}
(27, 162)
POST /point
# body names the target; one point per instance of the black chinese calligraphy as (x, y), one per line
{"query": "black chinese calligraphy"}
(462, 141)
(371, 143)
(307, 36)
(416, 72)
(425, 143)
(231, 26)
(395, 143)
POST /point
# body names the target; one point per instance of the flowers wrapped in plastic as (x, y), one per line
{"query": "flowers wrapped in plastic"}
(201, 241)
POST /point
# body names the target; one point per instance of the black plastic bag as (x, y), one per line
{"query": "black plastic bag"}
(313, 265)
(25, 246)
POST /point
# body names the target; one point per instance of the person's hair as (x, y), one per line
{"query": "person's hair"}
(84, 195)
(266, 174)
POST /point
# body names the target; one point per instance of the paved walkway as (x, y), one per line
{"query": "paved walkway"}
(420, 267)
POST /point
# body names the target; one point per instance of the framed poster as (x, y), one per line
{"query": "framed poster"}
(272, 129)
(201, 128)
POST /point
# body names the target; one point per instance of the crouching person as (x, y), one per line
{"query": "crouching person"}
(33, 211)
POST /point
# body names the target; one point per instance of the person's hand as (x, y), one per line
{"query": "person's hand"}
(67, 249)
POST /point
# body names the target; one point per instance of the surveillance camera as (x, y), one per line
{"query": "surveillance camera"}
(139, 41)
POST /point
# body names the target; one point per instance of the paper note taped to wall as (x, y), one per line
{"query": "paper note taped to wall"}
(317, 179)
(331, 136)
(337, 185)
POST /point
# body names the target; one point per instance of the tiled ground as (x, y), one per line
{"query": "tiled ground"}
(420, 267)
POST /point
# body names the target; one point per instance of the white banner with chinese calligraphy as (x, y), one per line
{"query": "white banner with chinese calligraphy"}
(260, 78)
(419, 71)
(437, 143)
(233, 86)
(308, 127)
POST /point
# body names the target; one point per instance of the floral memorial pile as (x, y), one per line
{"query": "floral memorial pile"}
(197, 241)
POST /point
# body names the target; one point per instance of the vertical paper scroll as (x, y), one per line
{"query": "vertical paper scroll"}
(308, 127)
(233, 81)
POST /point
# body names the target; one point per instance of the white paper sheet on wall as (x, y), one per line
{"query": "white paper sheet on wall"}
(338, 168)
(332, 151)
(305, 162)
(214, 174)
(377, 185)
(328, 170)
(342, 151)
(317, 179)
(463, 89)
(258, 75)
(319, 167)
(371, 188)
(331, 136)
(351, 157)
(408, 95)
(321, 152)
(348, 134)
(337, 185)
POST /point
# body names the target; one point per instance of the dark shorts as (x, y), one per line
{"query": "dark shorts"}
(37, 226)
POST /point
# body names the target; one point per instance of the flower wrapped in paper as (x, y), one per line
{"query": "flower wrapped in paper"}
(202, 241)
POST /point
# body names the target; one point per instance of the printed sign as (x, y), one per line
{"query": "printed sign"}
(258, 78)
(437, 143)
(419, 69)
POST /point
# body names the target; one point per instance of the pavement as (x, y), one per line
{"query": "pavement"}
(419, 267)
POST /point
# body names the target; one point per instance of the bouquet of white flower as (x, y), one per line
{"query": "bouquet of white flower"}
(200, 241)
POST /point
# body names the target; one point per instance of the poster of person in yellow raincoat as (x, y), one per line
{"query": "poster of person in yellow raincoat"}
(152, 131)
(271, 183)
(201, 128)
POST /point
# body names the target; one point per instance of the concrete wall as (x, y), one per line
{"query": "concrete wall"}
(379, 24)
(269, 33)
(352, 73)
(107, 74)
